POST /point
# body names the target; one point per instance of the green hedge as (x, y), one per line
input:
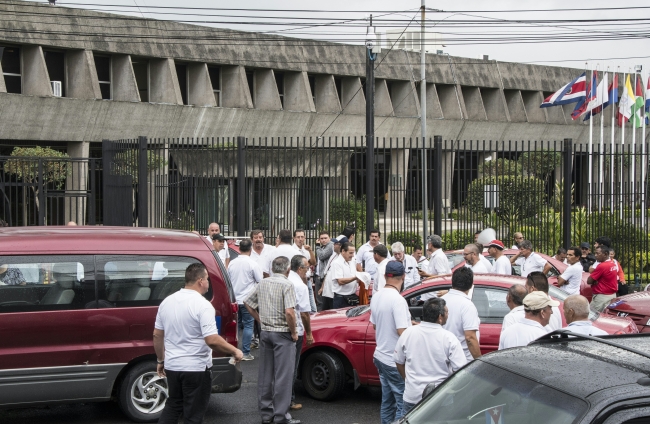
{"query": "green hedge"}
(457, 239)
(409, 239)
(350, 211)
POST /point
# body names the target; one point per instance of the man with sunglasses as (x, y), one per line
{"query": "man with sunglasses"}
(528, 260)
(587, 259)
(538, 308)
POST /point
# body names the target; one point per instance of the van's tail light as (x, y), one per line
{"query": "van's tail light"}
(230, 328)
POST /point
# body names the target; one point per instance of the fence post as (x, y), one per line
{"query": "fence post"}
(437, 185)
(241, 187)
(41, 194)
(566, 153)
(143, 212)
(91, 205)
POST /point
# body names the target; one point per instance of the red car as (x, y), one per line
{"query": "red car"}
(456, 260)
(635, 306)
(345, 339)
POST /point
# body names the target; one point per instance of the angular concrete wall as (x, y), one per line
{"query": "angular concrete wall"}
(474, 103)
(36, 80)
(123, 84)
(494, 104)
(383, 104)
(234, 88)
(297, 92)
(353, 102)
(3, 87)
(449, 101)
(81, 75)
(434, 110)
(266, 95)
(554, 115)
(532, 100)
(200, 87)
(404, 98)
(163, 82)
(515, 104)
(327, 99)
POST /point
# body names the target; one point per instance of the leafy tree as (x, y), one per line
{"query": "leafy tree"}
(541, 163)
(501, 167)
(126, 163)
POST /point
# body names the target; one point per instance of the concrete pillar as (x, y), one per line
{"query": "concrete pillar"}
(449, 101)
(396, 201)
(434, 109)
(200, 87)
(266, 96)
(383, 105)
(353, 101)
(81, 75)
(3, 87)
(515, 104)
(404, 98)
(327, 99)
(163, 82)
(234, 88)
(297, 93)
(474, 103)
(123, 84)
(283, 204)
(554, 115)
(532, 100)
(494, 104)
(36, 80)
(76, 183)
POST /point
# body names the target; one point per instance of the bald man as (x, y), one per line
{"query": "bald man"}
(576, 313)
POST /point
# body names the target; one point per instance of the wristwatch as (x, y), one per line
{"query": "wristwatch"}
(160, 362)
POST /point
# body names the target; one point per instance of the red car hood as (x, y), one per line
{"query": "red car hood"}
(615, 325)
(635, 303)
(330, 316)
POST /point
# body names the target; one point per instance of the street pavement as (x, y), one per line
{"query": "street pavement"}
(360, 407)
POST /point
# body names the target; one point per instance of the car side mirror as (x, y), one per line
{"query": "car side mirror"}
(428, 389)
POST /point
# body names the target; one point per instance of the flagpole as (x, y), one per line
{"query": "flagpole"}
(633, 170)
(611, 150)
(620, 209)
(591, 148)
(601, 183)
(643, 160)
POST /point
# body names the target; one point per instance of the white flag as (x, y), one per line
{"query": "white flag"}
(602, 95)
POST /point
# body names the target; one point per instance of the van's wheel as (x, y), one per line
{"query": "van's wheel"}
(323, 376)
(142, 394)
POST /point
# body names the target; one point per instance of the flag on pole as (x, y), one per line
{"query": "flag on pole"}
(638, 107)
(570, 93)
(581, 107)
(602, 97)
(612, 96)
(647, 103)
(625, 104)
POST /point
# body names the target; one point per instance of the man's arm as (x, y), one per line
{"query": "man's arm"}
(291, 322)
(400, 331)
(159, 347)
(325, 252)
(312, 256)
(253, 313)
(306, 323)
(561, 281)
(402, 370)
(344, 281)
(514, 258)
(218, 343)
(472, 343)
(591, 281)
(227, 262)
(547, 268)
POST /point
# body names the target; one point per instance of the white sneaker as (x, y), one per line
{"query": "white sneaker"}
(248, 357)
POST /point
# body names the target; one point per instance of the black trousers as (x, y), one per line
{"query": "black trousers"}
(189, 395)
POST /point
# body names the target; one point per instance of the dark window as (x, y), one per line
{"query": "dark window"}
(337, 83)
(103, 67)
(251, 84)
(43, 283)
(215, 79)
(312, 86)
(181, 73)
(141, 71)
(55, 62)
(279, 81)
(10, 60)
(128, 280)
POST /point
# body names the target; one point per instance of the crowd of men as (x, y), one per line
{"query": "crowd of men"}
(278, 287)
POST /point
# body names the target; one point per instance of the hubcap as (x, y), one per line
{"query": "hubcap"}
(149, 393)
(320, 375)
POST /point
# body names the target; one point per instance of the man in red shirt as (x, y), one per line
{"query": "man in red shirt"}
(603, 280)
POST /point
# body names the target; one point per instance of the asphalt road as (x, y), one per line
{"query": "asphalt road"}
(360, 406)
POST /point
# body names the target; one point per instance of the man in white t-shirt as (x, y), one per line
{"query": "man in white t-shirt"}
(528, 260)
(427, 353)
(420, 259)
(410, 265)
(261, 251)
(220, 245)
(439, 263)
(244, 274)
(364, 256)
(327, 288)
(213, 229)
(519, 237)
(576, 314)
(501, 262)
(536, 281)
(306, 251)
(283, 249)
(184, 335)
(472, 256)
(571, 279)
(538, 309)
(344, 277)
(298, 276)
(515, 301)
(390, 316)
(463, 319)
(380, 256)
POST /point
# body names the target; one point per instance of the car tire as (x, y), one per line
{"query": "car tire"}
(142, 394)
(323, 376)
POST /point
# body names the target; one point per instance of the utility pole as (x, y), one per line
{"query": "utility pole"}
(371, 55)
(423, 120)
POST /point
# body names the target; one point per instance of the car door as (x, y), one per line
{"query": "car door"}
(490, 302)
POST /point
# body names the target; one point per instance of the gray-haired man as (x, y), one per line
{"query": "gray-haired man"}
(438, 264)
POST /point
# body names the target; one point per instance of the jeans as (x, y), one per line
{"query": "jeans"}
(189, 395)
(328, 303)
(245, 321)
(392, 389)
(408, 406)
(295, 369)
(340, 301)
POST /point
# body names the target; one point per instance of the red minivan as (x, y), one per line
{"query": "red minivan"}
(77, 311)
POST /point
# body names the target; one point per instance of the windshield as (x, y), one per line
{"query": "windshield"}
(454, 259)
(560, 295)
(482, 393)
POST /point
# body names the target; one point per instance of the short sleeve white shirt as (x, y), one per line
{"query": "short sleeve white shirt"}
(439, 263)
(410, 271)
(430, 355)
(187, 318)
(364, 253)
(533, 262)
(224, 253)
(304, 252)
(328, 288)
(343, 269)
(502, 266)
(513, 317)
(286, 250)
(388, 312)
(380, 278)
(486, 262)
(573, 276)
(521, 333)
(302, 300)
(585, 328)
(478, 268)
(244, 274)
(262, 258)
(463, 316)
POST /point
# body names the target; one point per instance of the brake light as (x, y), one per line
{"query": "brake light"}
(234, 307)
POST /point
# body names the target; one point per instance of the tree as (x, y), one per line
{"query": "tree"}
(541, 163)
(501, 167)
(24, 165)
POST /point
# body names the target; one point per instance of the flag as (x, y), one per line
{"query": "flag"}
(581, 107)
(570, 93)
(647, 103)
(638, 106)
(494, 415)
(625, 104)
(612, 97)
(602, 97)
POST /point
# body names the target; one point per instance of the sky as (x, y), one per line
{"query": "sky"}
(618, 40)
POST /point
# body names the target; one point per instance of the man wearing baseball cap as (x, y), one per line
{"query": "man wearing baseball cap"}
(501, 262)
(220, 245)
(538, 310)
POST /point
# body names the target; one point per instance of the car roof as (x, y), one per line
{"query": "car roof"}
(93, 239)
(479, 279)
(577, 366)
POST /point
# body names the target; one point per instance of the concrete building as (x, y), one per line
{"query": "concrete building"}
(74, 77)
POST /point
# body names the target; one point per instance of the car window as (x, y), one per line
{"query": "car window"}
(140, 280)
(46, 282)
(491, 304)
(481, 393)
(630, 416)
(454, 259)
